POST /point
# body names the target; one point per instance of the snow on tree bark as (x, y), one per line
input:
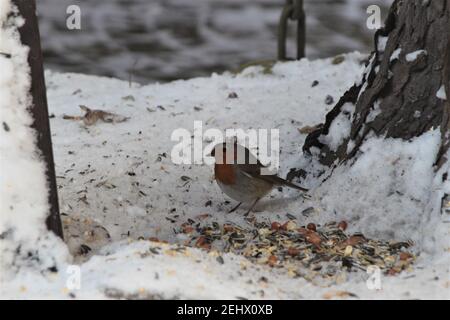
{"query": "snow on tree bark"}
(397, 97)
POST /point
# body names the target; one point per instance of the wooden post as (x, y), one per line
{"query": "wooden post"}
(29, 35)
(292, 10)
(301, 29)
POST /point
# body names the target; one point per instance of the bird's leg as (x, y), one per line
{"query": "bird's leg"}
(235, 208)
(251, 208)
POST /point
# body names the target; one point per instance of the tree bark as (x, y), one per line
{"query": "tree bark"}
(402, 91)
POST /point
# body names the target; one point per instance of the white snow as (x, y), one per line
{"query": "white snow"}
(396, 54)
(117, 185)
(376, 110)
(412, 56)
(441, 93)
(382, 42)
(399, 175)
(340, 128)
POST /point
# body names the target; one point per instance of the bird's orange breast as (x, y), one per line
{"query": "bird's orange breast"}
(225, 173)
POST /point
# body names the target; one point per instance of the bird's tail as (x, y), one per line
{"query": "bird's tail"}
(280, 181)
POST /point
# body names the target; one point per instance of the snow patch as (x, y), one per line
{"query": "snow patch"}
(387, 190)
(376, 110)
(396, 54)
(340, 127)
(441, 93)
(410, 57)
(136, 211)
(382, 41)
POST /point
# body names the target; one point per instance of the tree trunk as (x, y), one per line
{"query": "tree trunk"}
(397, 97)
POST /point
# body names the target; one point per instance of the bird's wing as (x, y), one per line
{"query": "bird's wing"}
(254, 171)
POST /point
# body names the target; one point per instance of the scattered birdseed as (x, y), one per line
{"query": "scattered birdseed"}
(325, 250)
(6, 55)
(220, 260)
(308, 211)
(84, 249)
(290, 216)
(329, 100)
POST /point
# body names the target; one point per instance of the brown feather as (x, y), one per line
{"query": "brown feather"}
(225, 173)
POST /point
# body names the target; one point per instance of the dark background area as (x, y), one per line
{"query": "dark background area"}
(162, 40)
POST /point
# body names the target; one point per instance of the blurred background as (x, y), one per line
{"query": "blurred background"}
(163, 40)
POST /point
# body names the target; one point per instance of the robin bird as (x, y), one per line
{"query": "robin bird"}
(238, 173)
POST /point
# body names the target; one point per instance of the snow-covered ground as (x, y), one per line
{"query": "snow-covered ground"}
(118, 179)
(137, 186)
(125, 204)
